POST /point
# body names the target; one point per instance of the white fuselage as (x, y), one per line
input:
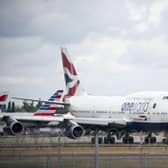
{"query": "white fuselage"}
(148, 107)
(94, 106)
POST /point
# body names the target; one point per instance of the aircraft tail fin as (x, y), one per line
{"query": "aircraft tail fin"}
(3, 98)
(73, 84)
(48, 109)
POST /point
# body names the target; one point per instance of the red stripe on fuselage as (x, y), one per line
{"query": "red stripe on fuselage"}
(58, 97)
(142, 116)
(44, 114)
(52, 108)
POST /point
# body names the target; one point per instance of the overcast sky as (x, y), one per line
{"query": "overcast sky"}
(118, 46)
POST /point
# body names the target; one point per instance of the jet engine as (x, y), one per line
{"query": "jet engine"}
(13, 127)
(73, 130)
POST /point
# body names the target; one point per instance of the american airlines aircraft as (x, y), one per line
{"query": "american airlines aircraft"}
(17, 122)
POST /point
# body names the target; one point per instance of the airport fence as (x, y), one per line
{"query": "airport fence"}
(60, 152)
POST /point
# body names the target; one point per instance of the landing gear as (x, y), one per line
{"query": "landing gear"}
(165, 140)
(109, 140)
(100, 140)
(150, 139)
(128, 139)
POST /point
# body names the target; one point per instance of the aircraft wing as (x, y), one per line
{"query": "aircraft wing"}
(25, 117)
(43, 101)
(100, 121)
(39, 119)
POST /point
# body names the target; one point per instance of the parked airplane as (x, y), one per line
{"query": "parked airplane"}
(15, 123)
(115, 115)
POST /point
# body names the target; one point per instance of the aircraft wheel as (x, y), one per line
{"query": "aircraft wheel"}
(93, 140)
(147, 140)
(165, 140)
(128, 140)
(109, 140)
(100, 140)
(131, 140)
(153, 140)
(150, 140)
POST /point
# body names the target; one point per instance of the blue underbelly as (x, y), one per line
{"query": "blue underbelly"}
(146, 126)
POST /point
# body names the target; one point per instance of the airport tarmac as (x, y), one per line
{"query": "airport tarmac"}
(46, 139)
(50, 154)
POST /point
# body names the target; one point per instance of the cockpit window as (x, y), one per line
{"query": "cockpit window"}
(165, 97)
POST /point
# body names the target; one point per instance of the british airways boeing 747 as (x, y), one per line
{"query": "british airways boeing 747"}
(115, 115)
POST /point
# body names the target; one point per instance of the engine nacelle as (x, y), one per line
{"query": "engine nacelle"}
(73, 130)
(13, 127)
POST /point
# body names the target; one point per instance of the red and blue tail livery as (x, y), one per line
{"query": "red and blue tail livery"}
(48, 109)
(70, 74)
